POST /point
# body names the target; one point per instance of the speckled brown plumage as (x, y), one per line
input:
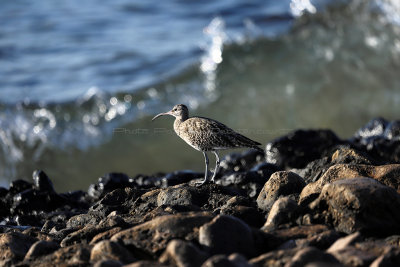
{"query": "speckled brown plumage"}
(206, 134)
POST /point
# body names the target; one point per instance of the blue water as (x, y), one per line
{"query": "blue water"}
(74, 71)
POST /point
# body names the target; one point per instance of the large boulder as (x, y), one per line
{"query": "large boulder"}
(359, 204)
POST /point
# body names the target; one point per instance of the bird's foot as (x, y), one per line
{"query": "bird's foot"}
(205, 181)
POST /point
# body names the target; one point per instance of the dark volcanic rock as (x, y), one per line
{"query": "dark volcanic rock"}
(251, 181)
(226, 234)
(279, 184)
(152, 237)
(179, 195)
(165, 220)
(178, 177)
(298, 148)
(239, 162)
(359, 204)
(380, 138)
(42, 182)
(109, 182)
(18, 186)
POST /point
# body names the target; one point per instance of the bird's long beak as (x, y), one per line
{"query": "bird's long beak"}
(161, 114)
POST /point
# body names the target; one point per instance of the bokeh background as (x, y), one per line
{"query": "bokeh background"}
(80, 80)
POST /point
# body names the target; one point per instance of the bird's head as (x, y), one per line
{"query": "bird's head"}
(178, 111)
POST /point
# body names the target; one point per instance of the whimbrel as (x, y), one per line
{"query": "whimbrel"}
(204, 134)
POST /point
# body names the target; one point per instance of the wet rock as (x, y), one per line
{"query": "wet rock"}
(234, 260)
(359, 204)
(152, 237)
(386, 174)
(107, 250)
(182, 254)
(14, 245)
(279, 184)
(380, 138)
(298, 148)
(40, 248)
(284, 210)
(109, 182)
(18, 186)
(312, 255)
(226, 234)
(42, 182)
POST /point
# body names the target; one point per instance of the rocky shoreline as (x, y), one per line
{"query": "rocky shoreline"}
(312, 199)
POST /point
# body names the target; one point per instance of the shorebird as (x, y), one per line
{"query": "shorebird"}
(206, 135)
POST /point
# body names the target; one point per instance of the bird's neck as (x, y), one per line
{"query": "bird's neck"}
(182, 118)
(177, 123)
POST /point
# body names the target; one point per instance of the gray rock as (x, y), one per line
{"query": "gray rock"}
(359, 204)
(281, 183)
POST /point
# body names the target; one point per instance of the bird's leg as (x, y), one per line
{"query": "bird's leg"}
(216, 166)
(206, 172)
